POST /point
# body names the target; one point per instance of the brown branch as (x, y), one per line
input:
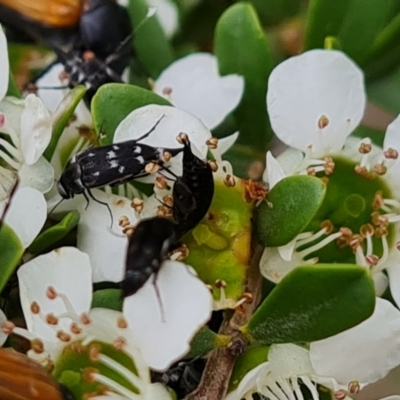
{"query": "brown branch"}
(220, 363)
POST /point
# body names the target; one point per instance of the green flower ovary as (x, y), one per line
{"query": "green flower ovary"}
(350, 202)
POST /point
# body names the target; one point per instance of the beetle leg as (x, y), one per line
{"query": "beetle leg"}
(103, 203)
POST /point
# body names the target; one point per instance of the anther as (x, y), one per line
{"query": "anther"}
(323, 122)
(37, 346)
(329, 165)
(94, 352)
(340, 395)
(85, 319)
(137, 204)
(122, 323)
(220, 284)
(168, 200)
(380, 169)
(328, 226)
(2, 120)
(78, 348)
(163, 211)
(128, 231)
(88, 374)
(391, 153)
(362, 171)
(119, 343)
(229, 181)
(166, 156)
(365, 148)
(182, 138)
(367, 230)
(379, 219)
(75, 328)
(345, 239)
(354, 387)
(182, 252)
(35, 308)
(311, 171)
(51, 319)
(381, 231)
(88, 55)
(356, 242)
(7, 327)
(51, 293)
(254, 191)
(377, 202)
(167, 91)
(63, 336)
(372, 260)
(248, 297)
(152, 168)
(212, 143)
(160, 183)
(213, 164)
(211, 289)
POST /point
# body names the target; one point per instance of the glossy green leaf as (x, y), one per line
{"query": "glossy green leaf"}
(205, 341)
(288, 209)
(324, 18)
(114, 101)
(312, 303)
(108, 298)
(11, 251)
(242, 48)
(220, 247)
(251, 358)
(52, 235)
(151, 45)
(274, 11)
(64, 113)
(364, 20)
(379, 68)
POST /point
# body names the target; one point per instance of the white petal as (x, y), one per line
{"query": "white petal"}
(365, 353)
(249, 381)
(51, 97)
(35, 129)
(227, 142)
(288, 360)
(68, 271)
(143, 119)
(381, 282)
(393, 270)
(4, 65)
(27, 214)
(187, 305)
(3, 318)
(392, 135)
(193, 84)
(315, 84)
(273, 172)
(106, 246)
(273, 267)
(290, 161)
(39, 175)
(156, 391)
(167, 14)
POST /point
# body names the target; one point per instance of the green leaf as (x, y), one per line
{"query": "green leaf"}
(114, 101)
(242, 48)
(108, 298)
(324, 18)
(251, 358)
(288, 209)
(12, 87)
(10, 253)
(312, 303)
(52, 235)
(205, 341)
(150, 43)
(64, 113)
(274, 11)
(364, 21)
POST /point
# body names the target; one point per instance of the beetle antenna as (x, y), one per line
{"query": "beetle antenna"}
(57, 204)
(159, 297)
(104, 204)
(145, 135)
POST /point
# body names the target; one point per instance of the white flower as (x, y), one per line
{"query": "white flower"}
(164, 334)
(27, 213)
(278, 378)
(4, 64)
(315, 100)
(193, 84)
(55, 292)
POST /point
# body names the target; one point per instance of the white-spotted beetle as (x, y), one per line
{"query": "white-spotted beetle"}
(110, 165)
